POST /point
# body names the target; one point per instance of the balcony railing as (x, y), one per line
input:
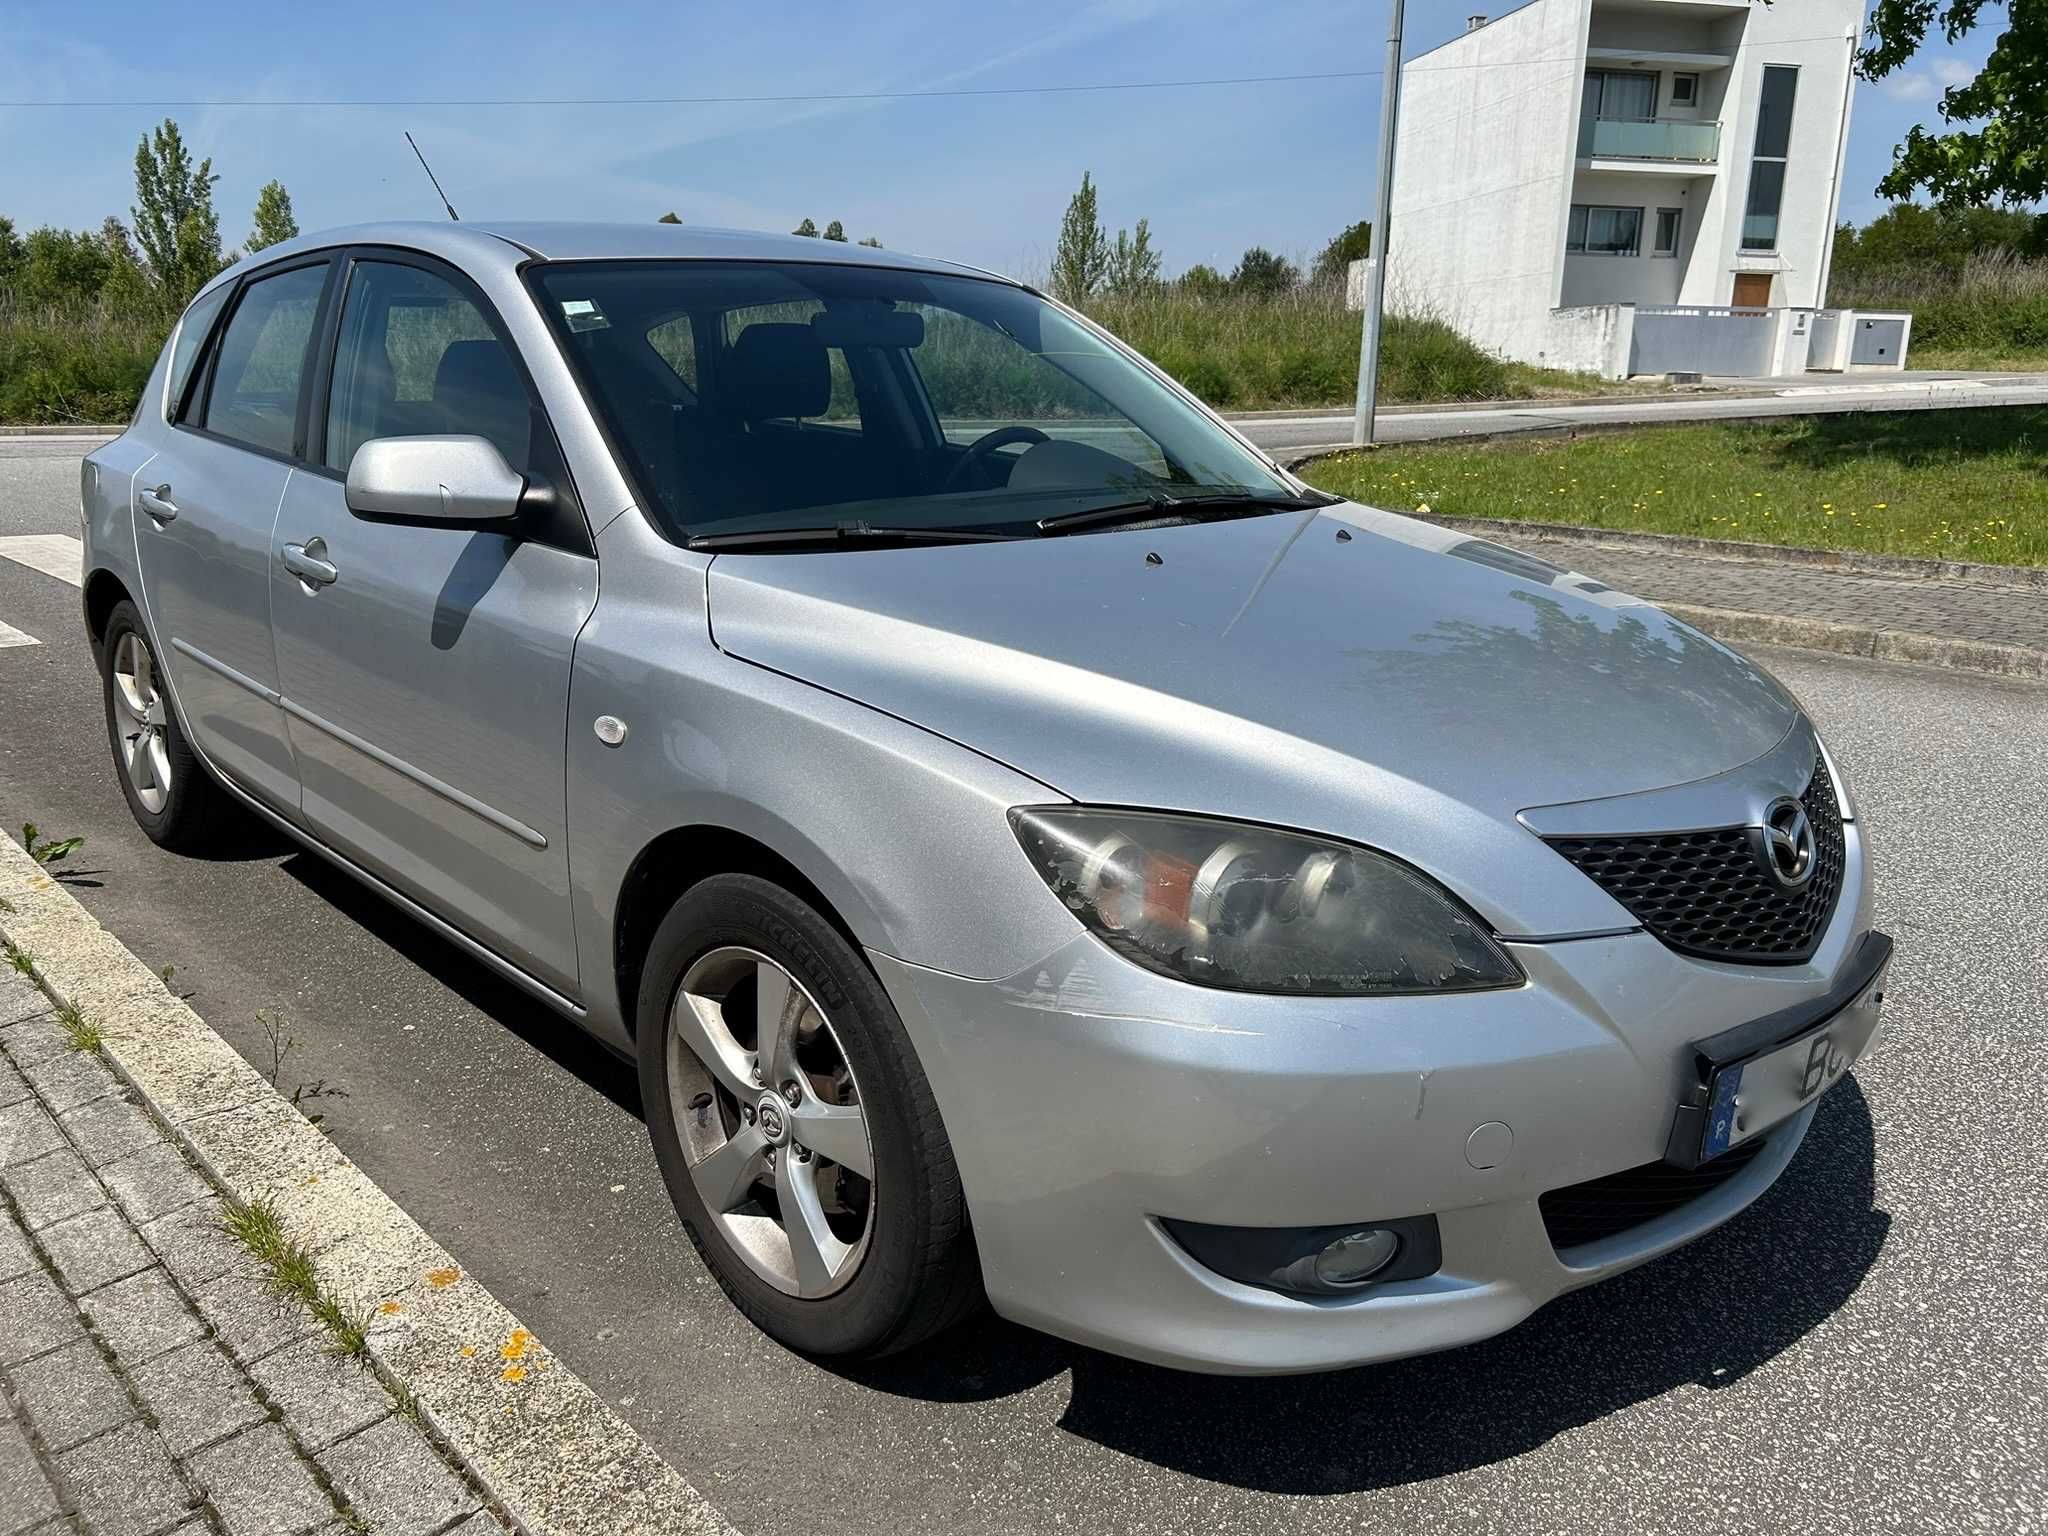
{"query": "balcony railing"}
(1660, 138)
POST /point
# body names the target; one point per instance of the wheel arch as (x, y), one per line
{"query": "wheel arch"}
(104, 591)
(671, 864)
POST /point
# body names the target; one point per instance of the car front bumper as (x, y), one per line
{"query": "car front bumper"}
(1087, 1099)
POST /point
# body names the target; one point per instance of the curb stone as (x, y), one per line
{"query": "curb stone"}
(1738, 628)
(546, 1448)
(2024, 578)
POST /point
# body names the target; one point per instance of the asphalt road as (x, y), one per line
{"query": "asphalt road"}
(1860, 1351)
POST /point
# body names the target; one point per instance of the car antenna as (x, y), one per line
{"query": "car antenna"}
(434, 179)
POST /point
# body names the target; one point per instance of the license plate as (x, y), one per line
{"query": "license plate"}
(1746, 1099)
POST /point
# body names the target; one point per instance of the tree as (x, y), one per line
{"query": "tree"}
(1936, 240)
(126, 286)
(59, 267)
(669, 218)
(10, 253)
(872, 242)
(1997, 157)
(1081, 260)
(1133, 264)
(807, 229)
(836, 231)
(1204, 281)
(174, 218)
(274, 220)
(1333, 262)
(1262, 274)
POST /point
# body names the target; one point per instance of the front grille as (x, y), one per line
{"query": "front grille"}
(1707, 893)
(1585, 1213)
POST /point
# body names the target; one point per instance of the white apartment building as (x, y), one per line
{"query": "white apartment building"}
(1576, 169)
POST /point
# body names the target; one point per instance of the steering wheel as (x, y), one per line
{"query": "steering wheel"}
(988, 443)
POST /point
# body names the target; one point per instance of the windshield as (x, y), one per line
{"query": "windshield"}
(753, 397)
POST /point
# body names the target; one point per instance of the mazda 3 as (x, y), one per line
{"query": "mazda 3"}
(1035, 848)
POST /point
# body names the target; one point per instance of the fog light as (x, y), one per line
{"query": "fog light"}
(1357, 1256)
(1336, 1260)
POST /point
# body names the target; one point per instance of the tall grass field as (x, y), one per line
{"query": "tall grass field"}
(1240, 352)
(74, 364)
(1992, 313)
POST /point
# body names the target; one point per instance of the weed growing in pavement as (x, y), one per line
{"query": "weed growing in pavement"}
(85, 1035)
(255, 1226)
(274, 1029)
(48, 851)
(273, 1026)
(19, 959)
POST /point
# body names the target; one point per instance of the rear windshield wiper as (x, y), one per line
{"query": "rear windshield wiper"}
(842, 533)
(1165, 508)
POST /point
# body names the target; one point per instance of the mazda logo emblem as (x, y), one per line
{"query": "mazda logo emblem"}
(1787, 847)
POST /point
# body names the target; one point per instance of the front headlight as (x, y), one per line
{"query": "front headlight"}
(1258, 910)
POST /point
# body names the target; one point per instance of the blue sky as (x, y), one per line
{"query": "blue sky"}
(976, 179)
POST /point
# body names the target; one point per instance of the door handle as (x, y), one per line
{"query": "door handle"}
(157, 503)
(309, 562)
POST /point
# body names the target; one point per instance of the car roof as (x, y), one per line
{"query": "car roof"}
(488, 242)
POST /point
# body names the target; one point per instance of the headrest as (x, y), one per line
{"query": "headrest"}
(779, 370)
(479, 391)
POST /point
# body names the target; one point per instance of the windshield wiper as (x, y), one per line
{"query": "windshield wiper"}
(842, 533)
(1165, 508)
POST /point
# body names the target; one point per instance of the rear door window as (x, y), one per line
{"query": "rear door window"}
(192, 332)
(260, 366)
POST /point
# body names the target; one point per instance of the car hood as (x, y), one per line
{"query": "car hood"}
(1344, 670)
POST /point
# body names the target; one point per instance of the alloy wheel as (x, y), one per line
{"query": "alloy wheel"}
(773, 1128)
(140, 720)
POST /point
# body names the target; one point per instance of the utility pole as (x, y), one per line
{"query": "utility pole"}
(1376, 298)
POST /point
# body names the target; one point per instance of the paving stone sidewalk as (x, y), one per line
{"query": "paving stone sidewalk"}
(1961, 610)
(152, 1383)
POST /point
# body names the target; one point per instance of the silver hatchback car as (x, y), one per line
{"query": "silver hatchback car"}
(1033, 846)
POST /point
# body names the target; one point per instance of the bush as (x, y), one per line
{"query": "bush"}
(82, 363)
(1995, 301)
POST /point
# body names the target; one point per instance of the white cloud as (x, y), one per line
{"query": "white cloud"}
(1927, 83)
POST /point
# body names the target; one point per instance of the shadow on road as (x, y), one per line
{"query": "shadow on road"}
(1705, 1316)
(539, 1026)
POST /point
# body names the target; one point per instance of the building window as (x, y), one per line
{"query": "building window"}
(1685, 90)
(1620, 95)
(1597, 231)
(1669, 222)
(1767, 161)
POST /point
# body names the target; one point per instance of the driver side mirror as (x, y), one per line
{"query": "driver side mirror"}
(458, 481)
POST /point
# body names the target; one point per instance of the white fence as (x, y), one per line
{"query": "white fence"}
(1671, 338)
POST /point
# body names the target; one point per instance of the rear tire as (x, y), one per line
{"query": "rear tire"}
(841, 1264)
(170, 792)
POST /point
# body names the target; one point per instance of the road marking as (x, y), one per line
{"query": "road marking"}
(10, 636)
(54, 554)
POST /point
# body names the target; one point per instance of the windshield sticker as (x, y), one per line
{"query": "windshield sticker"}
(583, 315)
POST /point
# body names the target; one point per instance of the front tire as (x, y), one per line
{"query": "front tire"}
(795, 1129)
(172, 795)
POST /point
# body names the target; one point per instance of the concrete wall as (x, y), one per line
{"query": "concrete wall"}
(1482, 177)
(1740, 342)
(1816, 36)
(1645, 278)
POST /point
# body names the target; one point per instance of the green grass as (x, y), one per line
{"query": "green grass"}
(1301, 349)
(75, 364)
(83, 1032)
(1958, 485)
(1978, 359)
(256, 1227)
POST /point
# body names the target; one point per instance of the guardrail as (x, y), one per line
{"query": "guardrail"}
(1682, 140)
